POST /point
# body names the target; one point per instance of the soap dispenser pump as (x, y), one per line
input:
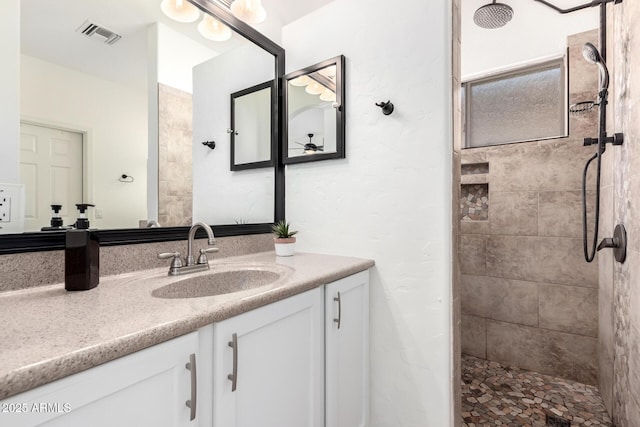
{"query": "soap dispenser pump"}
(81, 255)
(82, 223)
(56, 220)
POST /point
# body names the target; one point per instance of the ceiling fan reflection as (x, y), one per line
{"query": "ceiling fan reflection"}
(309, 147)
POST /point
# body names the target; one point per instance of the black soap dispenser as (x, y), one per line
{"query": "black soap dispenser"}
(56, 220)
(81, 255)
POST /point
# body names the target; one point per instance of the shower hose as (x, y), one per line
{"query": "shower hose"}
(590, 255)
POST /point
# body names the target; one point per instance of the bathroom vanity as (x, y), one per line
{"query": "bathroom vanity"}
(290, 353)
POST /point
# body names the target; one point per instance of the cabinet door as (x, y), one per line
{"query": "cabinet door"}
(147, 388)
(347, 351)
(279, 365)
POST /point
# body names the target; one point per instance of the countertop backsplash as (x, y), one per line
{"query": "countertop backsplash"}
(31, 269)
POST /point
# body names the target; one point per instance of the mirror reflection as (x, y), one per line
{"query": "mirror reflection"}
(118, 88)
(315, 124)
(251, 127)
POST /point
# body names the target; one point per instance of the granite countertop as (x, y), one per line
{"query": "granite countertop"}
(51, 333)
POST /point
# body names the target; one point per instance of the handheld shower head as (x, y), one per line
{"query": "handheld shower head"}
(592, 55)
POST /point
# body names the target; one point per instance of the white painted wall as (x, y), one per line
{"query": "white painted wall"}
(219, 195)
(535, 32)
(177, 55)
(390, 199)
(10, 92)
(115, 120)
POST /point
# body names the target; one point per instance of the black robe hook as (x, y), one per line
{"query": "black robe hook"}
(387, 107)
(210, 144)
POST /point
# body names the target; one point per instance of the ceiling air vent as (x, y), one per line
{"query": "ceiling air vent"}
(90, 29)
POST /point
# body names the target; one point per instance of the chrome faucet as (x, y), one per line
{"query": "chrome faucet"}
(190, 265)
(192, 233)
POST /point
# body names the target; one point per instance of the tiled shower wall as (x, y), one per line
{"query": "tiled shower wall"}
(528, 297)
(175, 195)
(619, 298)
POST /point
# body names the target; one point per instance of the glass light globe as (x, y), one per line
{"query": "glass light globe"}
(328, 95)
(180, 10)
(300, 81)
(314, 88)
(212, 29)
(249, 11)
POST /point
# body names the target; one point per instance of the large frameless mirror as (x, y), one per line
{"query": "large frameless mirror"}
(315, 112)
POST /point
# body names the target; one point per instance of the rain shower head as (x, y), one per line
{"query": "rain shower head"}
(493, 15)
(592, 55)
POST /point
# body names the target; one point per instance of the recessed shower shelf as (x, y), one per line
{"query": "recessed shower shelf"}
(474, 179)
(474, 168)
(474, 202)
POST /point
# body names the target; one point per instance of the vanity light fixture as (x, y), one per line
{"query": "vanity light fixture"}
(249, 11)
(212, 29)
(328, 95)
(314, 88)
(300, 81)
(180, 10)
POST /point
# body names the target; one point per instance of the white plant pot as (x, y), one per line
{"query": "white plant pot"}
(285, 247)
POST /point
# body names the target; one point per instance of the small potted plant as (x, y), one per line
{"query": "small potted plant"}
(284, 238)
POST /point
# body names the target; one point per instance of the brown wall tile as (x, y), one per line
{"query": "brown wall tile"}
(571, 309)
(542, 259)
(474, 155)
(474, 227)
(473, 254)
(560, 213)
(474, 334)
(175, 157)
(508, 300)
(539, 166)
(549, 352)
(513, 213)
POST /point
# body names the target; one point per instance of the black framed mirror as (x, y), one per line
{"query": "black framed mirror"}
(252, 124)
(315, 111)
(127, 234)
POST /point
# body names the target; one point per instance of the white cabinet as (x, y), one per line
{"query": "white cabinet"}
(274, 357)
(265, 368)
(347, 351)
(147, 388)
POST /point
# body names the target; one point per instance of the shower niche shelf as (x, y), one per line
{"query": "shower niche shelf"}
(474, 202)
(474, 168)
(474, 173)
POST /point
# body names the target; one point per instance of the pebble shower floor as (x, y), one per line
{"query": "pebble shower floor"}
(497, 395)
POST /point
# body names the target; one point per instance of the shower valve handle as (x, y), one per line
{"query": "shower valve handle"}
(608, 242)
(616, 139)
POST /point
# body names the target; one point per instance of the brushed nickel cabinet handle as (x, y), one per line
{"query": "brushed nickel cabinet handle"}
(192, 403)
(339, 301)
(233, 377)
